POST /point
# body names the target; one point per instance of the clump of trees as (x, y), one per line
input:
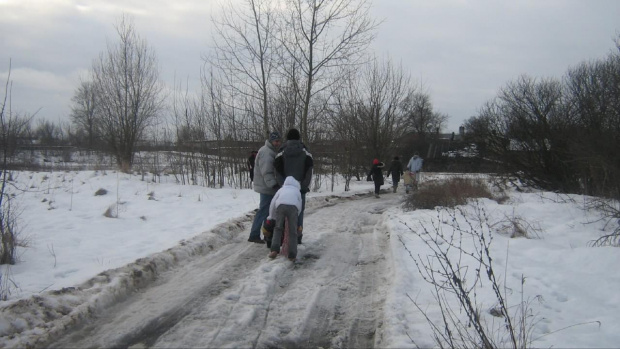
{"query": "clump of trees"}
(273, 65)
(559, 135)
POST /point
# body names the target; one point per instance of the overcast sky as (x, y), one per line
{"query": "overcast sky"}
(461, 51)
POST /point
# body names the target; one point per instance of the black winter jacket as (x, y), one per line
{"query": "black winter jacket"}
(376, 173)
(396, 170)
(294, 159)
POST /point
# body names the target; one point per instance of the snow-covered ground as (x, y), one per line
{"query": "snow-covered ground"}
(78, 261)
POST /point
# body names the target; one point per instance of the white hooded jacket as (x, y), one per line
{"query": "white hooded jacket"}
(289, 194)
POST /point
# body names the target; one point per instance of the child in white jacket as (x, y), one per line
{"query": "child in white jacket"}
(285, 204)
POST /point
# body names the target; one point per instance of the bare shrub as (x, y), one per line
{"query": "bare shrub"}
(450, 193)
(111, 212)
(12, 127)
(612, 239)
(516, 226)
(8, 231)
(610, 210)
(7, 285)
(457, 275)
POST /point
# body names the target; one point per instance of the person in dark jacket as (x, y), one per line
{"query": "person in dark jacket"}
(294, 159)
(251, 161)
(376, 175)
(396, 170)
(265, 183)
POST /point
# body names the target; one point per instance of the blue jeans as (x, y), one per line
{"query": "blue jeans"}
(261, 215)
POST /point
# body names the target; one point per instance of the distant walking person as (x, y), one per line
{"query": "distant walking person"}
(414, 167)
(251, 162)
(376, 175)
(396, 170)
(294, 159)
(265, 183)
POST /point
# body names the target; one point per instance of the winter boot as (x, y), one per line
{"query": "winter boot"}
(394, 189)
(267, 227)
(300, 229)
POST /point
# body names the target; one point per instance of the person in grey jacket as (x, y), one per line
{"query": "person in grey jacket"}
(265, 182)
(294, 159)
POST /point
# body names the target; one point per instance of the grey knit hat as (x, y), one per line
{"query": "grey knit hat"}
(274, 136)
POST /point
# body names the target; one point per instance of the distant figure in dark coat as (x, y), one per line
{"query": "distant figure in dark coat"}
(251, 161)
(376, 175)
(396, 170)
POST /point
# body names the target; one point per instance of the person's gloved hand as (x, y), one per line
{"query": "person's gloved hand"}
(304, 190)
(276, 186)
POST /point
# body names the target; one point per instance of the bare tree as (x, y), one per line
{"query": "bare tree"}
(245, 51)
(48, 133)
(324, 38)
(83, 110)
(126, 79)
(384, 88)
(593, 91)
(422, 119)
(525, 128)
(365, 119)
(12, 127)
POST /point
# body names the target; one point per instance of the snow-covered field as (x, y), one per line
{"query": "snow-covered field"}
(78, 261)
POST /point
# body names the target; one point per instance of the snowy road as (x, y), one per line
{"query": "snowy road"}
(234, 296)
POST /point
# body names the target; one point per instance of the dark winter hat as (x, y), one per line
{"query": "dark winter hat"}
(274, 136)
(293, 134)
(375, 162)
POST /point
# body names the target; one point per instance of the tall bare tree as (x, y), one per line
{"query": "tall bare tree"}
(366, 118)
(83, 110)
(524, 128)
(324, 38)
(245, 45)
(421, 117)
(126, 79)
(593, 89)
(385, 86)
(12, 127)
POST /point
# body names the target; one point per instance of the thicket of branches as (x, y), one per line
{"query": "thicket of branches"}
(458, 273)
(12, 128)
(276, 65)
(559, 135)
